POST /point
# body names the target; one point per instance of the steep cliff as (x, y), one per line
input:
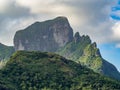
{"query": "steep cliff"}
(44, 36)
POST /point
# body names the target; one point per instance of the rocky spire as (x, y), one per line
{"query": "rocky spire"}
(77, 37)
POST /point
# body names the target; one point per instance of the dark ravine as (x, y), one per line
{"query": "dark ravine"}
(57, 36)
(48, 71)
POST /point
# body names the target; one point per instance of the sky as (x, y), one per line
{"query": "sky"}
(100, 19)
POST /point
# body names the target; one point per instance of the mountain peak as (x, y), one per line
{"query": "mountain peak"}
(56, 35)
(94, 44)
(77, 37)
(44, 36)
(61, 17)
(86, 38)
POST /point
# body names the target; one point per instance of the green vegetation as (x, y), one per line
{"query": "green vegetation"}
(74, 50)
(48, 71)
(91, 58)
(6, 51)
(82, 51)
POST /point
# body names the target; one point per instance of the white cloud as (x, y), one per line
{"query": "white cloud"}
(87, 17)
(115, 37)
(4, 4)
(116, 31)
(118, 45)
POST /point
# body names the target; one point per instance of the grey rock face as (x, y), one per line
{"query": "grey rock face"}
(77, 37)
(44, 36)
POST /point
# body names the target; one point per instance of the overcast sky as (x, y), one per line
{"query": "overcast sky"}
(96, 18)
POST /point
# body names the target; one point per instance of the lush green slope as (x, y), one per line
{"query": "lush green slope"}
(83, 51)
(6, 51)
(47, 71)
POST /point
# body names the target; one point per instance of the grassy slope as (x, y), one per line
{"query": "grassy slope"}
(41, 71)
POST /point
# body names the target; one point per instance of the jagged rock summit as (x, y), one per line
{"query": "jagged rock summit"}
(83, 51)
(44, 36)
(57, 36)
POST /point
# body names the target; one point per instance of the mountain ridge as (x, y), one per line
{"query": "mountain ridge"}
(56, 35)
(85, 52)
